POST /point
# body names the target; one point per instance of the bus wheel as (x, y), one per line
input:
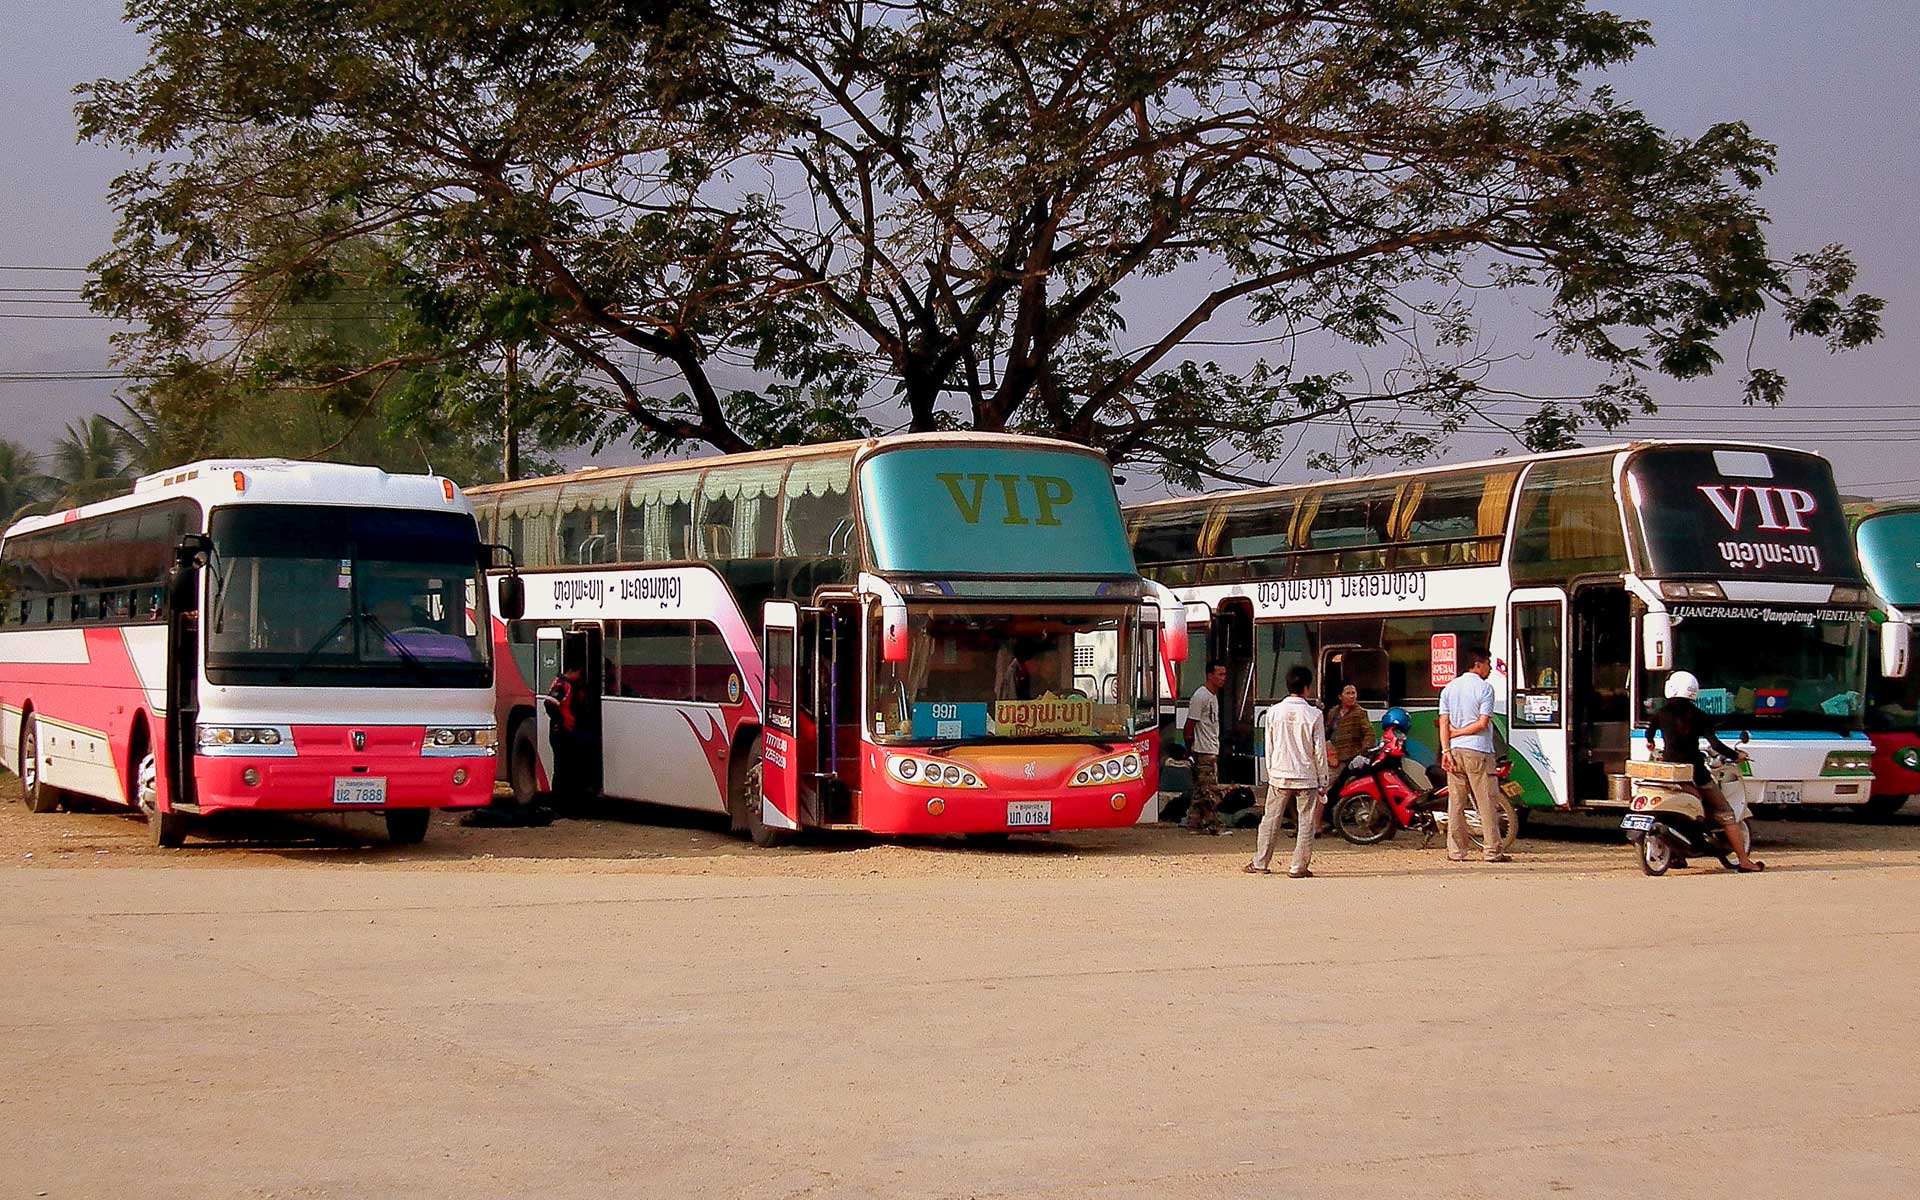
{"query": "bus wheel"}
(523, 765)
(749, 803)
(408, 826)
(40, 797)
(1886, 806)
(167, 830)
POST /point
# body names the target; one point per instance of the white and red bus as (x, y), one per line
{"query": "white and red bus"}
(299, 637)
(926, 634)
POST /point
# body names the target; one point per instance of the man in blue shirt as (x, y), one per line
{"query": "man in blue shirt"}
(1466, 751)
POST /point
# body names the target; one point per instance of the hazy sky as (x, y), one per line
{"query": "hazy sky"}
(1832, 84)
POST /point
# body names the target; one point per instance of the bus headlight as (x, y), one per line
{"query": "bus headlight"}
(1848, 762)
(270, 740)
(926, 773)
(459, 740)
(1119, 768)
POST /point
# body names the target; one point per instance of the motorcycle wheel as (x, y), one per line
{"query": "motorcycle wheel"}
(1656, 854)
(1509, 825)
(1364, 820)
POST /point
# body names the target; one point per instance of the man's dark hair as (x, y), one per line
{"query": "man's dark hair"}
(1215, 665)
(1477, 655)
(1298, 680)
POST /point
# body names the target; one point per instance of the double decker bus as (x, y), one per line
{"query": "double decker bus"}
(269, 635)
(923, 634)
(1588, 575)
(1887, 539)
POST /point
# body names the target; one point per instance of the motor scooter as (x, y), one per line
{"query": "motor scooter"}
(1668, 820)
(1379, 799)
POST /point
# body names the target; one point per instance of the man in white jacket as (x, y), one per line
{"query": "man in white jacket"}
(1295, 734)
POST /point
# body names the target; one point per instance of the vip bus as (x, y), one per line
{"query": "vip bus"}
(1588, 574)
(924, 634)
(1887, 539)
(298, 637)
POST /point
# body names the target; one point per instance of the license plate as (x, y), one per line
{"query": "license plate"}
(1511, 790)
(1782, 793)
(1029, 814)
(1641, 821)
(360, 791)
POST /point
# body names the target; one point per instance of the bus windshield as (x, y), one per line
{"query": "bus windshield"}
(1888, 545)
(317, 596)
(985, 674)
(1767, 668)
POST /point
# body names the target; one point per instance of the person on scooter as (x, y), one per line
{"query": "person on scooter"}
(1681, 725)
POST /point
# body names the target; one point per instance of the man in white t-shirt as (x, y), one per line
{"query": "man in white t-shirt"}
(1466, 751)
(1203, 750)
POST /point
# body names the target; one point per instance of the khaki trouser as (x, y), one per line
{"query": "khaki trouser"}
(1308, 801)
(1472, 769)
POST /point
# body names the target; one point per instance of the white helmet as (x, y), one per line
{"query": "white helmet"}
(1681, 685)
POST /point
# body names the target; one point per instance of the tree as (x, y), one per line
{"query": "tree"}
(993, 214)
(22, 484)
(89, 463)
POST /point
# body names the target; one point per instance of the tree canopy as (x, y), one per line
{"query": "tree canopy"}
(979, 213)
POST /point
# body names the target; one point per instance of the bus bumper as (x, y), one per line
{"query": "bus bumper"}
(317, 785)
(920, 811)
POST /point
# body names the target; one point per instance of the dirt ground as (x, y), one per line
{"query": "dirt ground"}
(641, 1006)
(634, 838)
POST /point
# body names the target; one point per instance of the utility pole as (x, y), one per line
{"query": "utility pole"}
(510, 465)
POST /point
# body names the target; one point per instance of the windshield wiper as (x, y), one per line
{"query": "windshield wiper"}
(287, 675)
(390, 638)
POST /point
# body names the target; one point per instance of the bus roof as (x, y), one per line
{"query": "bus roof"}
(222, 481)
(1489, 464)
(857, 448)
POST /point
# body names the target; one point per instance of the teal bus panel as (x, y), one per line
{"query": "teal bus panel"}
(993, 510)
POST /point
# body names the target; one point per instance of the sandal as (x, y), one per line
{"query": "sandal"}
(1300, 874)
(1253, 870)
(1755, 869)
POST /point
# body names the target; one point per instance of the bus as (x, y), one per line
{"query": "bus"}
(920, 634)
(1587, 574)
(1887, 539)
(257, 635)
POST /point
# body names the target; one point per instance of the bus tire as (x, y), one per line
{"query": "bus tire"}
(38, 795)
(1886, 806)
(748, 799)
(408, 826)
(523, 765)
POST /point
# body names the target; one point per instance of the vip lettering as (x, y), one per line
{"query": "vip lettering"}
(973, 493)
(661, 589)
(570, 593)
(1779, 510)
(1761, 555)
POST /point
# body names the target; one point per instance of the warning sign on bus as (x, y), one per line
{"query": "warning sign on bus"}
(1445, 657)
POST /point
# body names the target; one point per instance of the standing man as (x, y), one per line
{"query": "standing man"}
(1466, 752)
(1296, 741)
(1203, 746)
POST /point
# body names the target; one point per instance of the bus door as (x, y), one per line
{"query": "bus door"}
(786, 740)
(546, 669)
(183, 668)
(1600, 666)
(837, 659)
(1539, 726)
(584, 648)
(1233, 641)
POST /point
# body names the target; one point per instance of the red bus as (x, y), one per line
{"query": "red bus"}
(300, 637)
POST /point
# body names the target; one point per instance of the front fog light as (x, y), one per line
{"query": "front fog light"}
(459, 776)
(1118, 800)
(250, 777)
(936, 806)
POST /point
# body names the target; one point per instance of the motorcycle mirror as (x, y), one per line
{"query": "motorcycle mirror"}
(1745, 737)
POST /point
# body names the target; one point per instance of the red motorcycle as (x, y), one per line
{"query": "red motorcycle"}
(1378, 798)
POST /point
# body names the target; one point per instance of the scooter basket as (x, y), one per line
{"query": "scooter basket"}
(1663, 772)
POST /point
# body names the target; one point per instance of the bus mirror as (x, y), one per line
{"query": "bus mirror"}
(894, 640)
(513, 598)
(1896, 639)
(1656, 641)
(193, 551)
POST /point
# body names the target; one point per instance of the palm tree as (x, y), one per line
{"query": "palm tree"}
(21, 484)
(90, 462)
